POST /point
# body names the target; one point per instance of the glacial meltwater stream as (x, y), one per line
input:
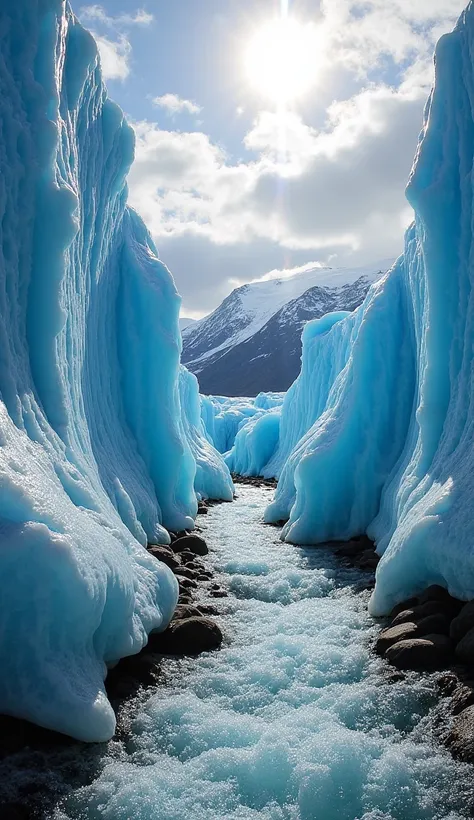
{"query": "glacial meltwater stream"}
(293, 719)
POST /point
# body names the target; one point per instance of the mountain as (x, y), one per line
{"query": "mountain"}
(184, 322)
(252, 341)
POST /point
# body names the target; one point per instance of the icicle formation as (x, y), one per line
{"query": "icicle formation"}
(93, 451)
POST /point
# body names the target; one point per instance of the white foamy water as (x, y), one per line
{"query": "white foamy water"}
(292, 719)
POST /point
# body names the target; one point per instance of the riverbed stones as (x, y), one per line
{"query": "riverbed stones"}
(463, 622)
(188, 636)
(193, 543)
(465, 648)
(394, 634)
(427, 653)
(403, 605)
(186, 611)
(164, 554)
(461, 737)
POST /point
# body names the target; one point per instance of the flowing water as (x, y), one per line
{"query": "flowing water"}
(293, 719)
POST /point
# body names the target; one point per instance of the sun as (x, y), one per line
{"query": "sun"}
(281, 59)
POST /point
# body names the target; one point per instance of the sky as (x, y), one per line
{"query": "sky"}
(270, 134)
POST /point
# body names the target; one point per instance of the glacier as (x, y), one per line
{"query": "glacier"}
(100, 451)
(376, 435)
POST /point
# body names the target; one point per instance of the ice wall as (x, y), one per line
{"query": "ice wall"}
(393, 451)
(223, 417)
(212, 479)
(94, 457)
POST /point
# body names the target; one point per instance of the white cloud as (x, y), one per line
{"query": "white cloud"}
(173, 104)
(98, 13)
(114, 56)
(307, 193)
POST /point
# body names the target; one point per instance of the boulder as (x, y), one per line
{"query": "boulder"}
(165, 555)
(463, 696)
(461, 737)
(186, 611)
(189, 636)
(193, 543)
(465, 648)
(434, 593)
(187, 583)
(218, 593)
(184, 572)
(418, 613)
(393, 634)
(403, 605)
(463, 622)
(430, 652)
(208, 609)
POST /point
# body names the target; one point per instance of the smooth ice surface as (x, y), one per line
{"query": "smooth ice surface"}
(292, 719)
(94, 456)
(212, 479)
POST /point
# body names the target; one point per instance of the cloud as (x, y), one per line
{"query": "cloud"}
(114, 56)
(173, 104)
(98, 13)
(325, 187)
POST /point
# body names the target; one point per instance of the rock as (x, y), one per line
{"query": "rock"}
(437, 624)
(434, 593)
(463, 622)
(369, 563)
(218, 593)
(461, 737)
(447, 682)
(403, 605)
(463, 696)
(208, 609)
(203, 576)
(193, 543)
(351, 549)
(393, 634)
(187, 583)
(16, 811)
(186, 556)
(202, 511)
(165, 555)
(417, 613)
(184, 572)
(465, 648)
(186, 611)
(430, 652)
(188, 636)
(173, 536)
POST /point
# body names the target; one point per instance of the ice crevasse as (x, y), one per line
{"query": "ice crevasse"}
(98, 443)
(391, 451)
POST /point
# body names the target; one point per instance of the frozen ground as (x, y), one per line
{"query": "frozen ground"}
(292, 719)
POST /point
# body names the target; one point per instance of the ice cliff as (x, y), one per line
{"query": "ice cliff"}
(377, 434)
(98, 445)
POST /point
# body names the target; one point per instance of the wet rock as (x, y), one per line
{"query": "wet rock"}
(208, 609)
(465, 648)
(184, 572)
(186, 611)
(173, 536)
(461, 737)
(351, 549)
(186, 556)
(193, 543)
(437, 624)
(463, 696)
(165, 555)
(189, 636)
(203, 576)
(417, 613)
(447, 682)
(394, 634)
(434, 593)
(187, 583)
(403, 605)
(218, 593)
(463, 622)
(427, 653)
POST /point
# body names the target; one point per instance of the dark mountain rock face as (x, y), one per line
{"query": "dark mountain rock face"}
(268, 359)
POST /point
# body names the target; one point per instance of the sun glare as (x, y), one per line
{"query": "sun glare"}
(281, 59)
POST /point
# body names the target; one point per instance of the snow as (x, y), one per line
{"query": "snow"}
(94, 456)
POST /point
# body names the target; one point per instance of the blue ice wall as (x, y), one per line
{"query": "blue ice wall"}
(94, 454)
(392, 452)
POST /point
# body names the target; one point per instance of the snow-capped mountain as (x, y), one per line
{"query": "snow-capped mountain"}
(252, 341)
(185, 322)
